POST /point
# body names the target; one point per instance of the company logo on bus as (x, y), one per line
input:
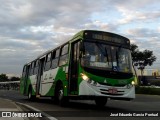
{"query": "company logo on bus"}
(105, 81)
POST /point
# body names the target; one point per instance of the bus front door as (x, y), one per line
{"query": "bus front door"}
(73, 74)
(40, 76)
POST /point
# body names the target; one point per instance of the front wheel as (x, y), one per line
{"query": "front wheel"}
(60, 98)
(101, 101)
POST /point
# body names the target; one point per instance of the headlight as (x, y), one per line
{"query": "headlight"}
(133, 83)
(84, 77)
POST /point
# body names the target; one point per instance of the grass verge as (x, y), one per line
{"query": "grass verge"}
(151, 90)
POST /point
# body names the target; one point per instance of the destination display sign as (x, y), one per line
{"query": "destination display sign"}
(109, 37)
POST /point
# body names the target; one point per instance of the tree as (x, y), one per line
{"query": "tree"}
(14, 79)
(134, 52)
(3, 77)
(142, 58)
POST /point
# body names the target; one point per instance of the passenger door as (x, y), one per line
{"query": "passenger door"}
(73, 73)
(40, 75)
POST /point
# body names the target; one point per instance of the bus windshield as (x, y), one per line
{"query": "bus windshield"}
(108, 57)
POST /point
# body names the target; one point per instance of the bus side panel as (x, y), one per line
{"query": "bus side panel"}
(47, 82)
(22, 85)
(27, 86)
(51, 77)
(33, 80)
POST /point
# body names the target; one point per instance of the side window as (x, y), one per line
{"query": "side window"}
(64, 50)
(55, 57)
(28, 69)
(36, 67)
(48, 62)
(57, 52)
(48, 57)
(32, 68)
(64, 55)
(24, 71)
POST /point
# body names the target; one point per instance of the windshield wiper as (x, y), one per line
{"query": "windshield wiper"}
(107, 55)
(117, 53)
(117, 58)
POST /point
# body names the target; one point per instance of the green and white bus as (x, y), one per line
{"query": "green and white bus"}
(94, 65)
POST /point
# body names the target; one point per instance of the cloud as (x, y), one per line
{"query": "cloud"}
(100, 25)
(135, 4)
(136, 16)
(135, 10)
(143, 32)
(28, 28)
(146, 38)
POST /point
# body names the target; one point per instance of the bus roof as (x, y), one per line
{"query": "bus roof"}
(81, 33)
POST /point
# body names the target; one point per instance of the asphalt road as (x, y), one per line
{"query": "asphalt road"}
(79, 110)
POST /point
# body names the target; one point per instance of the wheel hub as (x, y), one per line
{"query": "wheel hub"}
(60, 94)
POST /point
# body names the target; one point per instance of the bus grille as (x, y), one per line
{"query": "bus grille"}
(105, 92)
(110, 94)
(118, 85)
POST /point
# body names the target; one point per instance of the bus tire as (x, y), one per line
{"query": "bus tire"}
(101, 101)
(59, 96)
(30, 96)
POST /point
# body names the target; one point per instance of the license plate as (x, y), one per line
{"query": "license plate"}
(112, 90)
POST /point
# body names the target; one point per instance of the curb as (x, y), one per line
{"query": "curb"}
(49, 117)
(13, 109)
(20, 110)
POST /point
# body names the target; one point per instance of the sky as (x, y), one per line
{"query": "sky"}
(30, 27)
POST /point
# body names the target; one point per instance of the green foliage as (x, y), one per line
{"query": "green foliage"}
(134, 52)
(142, 58)
(147, 90)
(3, 77)
(15, 79)
(155, 82)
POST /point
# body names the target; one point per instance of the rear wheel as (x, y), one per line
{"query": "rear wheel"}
(101, 101)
